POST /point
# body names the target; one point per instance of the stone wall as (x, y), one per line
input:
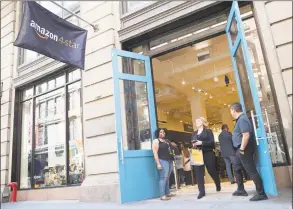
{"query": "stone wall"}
(8, 14)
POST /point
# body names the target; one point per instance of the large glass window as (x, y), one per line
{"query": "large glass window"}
(51, 133)
(73, 6)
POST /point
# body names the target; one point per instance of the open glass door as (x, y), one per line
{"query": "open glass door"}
(135, 125)
(249, 96)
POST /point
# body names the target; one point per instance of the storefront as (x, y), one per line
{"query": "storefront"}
(139, 75)
(87, 134)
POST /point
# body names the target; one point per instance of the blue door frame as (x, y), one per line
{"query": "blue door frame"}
(263, 161)
(138, 175)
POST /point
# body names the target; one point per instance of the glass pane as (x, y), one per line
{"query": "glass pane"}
(133, 5)
(60, 81)
(73, 19)
(26, 144)
(74, 75)
(28, 93)
(72, 6)
(50, 153)
(42, 88)
(52, 7)
(244, 80)
(51, 84)
(76, 154)
(29, 55)
(272, 124)
(233, 30)
(132, 66)
(135, 115)
(74, 97)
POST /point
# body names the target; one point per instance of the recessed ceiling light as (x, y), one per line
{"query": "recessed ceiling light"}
(211, 96)
(216, 79)
(193, 87)
(199, 90)
(183, 82)
(206, 93)
(180, 121)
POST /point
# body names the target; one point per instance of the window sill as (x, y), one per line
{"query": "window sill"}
(55, 187)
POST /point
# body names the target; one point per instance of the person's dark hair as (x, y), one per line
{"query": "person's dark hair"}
(237, 107)
(157, 132)
(224, 126)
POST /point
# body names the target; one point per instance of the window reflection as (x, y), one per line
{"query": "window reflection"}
(26, 144)
(272, 124)
(47, 165)
(50, 154)
(76, 165)
(135, 111)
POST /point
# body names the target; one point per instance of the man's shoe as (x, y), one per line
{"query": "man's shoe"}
(240, 193)
(165, 198)
(201, 195)
(218, 188)
(171, 195)
(259, 197)
(233, 182)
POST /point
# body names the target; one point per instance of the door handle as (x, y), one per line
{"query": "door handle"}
(254, 127)
(121, 150)
(268, 123)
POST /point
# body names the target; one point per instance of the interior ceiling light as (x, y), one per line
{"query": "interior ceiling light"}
(199, 90)
(183, 82)
(216, 79)
(211, 96)
(193, 87)
(206, 93)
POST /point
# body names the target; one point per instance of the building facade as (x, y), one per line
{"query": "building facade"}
(58, 124)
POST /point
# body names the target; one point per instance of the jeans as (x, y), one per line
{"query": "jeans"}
(229, 168)
(246, 161)
(165, 177)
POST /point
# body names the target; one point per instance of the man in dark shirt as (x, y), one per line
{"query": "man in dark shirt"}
(244, 143)
(227, 150)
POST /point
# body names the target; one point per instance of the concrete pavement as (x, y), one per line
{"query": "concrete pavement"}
(185, 199)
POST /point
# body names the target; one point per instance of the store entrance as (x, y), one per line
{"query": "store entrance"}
(192, 82)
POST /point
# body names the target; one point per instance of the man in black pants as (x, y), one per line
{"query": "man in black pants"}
(244, 142)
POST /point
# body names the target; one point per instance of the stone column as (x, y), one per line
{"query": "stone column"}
(198, 109)
(227, 118)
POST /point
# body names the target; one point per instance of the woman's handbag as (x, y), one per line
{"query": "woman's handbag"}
(197, 156)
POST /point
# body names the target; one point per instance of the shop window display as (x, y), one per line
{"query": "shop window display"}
(53, 156)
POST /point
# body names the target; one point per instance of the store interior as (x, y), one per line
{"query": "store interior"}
(195, 81)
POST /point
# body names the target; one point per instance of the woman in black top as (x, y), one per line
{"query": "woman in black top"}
(163, 155)
(203, 139)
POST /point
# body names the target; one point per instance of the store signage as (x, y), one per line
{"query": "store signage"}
(188, 128)
(46, 33)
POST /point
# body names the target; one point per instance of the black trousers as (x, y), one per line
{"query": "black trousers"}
(188, 177)
(246, 162)
(209, 159)
(200, 172)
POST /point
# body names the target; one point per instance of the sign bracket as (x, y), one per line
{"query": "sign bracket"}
(95, 27)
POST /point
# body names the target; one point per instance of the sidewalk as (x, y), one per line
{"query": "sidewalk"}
(186, 199)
